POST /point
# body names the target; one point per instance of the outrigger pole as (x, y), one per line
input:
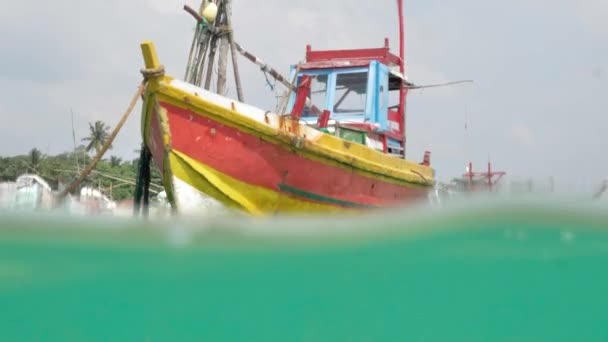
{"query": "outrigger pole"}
(263, 66)
(275, 74)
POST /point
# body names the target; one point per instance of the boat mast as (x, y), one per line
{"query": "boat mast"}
(404, 88)
(213, 29)
(401, 37)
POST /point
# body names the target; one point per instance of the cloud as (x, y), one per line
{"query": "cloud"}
(593, 14)
(170, 6)
(522, 135)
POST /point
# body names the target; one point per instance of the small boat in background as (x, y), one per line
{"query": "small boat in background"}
(480, 181)
(31, 192)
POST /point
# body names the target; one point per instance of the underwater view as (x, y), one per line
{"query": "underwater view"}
(485, 269)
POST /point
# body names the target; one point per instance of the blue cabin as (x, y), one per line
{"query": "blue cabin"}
(361, 91)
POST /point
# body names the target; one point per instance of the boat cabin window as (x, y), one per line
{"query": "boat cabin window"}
(343, 92)
(394, 99)
(356, 94)
(394, 93)
(351, 93)
(318, 94)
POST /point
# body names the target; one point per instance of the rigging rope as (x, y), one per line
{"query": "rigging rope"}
(268, 81)
(147, 73)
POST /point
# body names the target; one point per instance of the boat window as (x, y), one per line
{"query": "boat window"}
(351, 93)
(393, 99)
(394, 86)
(318, 93)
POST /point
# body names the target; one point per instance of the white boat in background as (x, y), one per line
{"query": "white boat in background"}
(31, 192)
(95, 202)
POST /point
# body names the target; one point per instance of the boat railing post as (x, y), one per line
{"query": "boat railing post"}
(150, 57)
(301, 95)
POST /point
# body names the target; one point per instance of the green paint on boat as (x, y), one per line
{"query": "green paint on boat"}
(353, 135)
(320, 198)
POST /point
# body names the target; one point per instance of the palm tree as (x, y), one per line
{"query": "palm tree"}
(115, 161)
(34, 158)
(98, 136)
(32, 162)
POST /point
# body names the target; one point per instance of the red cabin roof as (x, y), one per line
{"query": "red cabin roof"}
(322, 59)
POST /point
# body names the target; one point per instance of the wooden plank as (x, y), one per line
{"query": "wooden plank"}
(149, 52)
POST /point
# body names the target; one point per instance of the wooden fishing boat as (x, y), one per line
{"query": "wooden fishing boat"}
(340, 144)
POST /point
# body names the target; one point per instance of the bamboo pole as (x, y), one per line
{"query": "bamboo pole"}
(201, 61)
(214, 43)
(235, 66)
(205, 37)
(194, 56)
(212, 49)
(123, 181)
(265, 67)
(106, 146)
(222, 62)
(277, 76)
(222, 65)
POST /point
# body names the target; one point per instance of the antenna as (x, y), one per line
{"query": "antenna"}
(466, 119)
(74, 139)
(73, 131)
(414, 86)
(467, 148)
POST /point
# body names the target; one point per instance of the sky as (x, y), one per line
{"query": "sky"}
(537, 107)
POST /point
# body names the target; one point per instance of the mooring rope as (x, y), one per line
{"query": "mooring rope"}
(147, 74)
(152, 73)
(142, 187)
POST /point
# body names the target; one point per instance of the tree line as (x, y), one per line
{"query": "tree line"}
(114, 176)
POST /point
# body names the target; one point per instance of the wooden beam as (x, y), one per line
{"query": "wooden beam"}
(235, 66)
(150, 57)
(223, 56)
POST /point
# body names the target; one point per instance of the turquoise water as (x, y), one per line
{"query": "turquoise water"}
(497, 271)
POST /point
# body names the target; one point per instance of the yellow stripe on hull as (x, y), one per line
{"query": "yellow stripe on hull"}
(234, 193)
